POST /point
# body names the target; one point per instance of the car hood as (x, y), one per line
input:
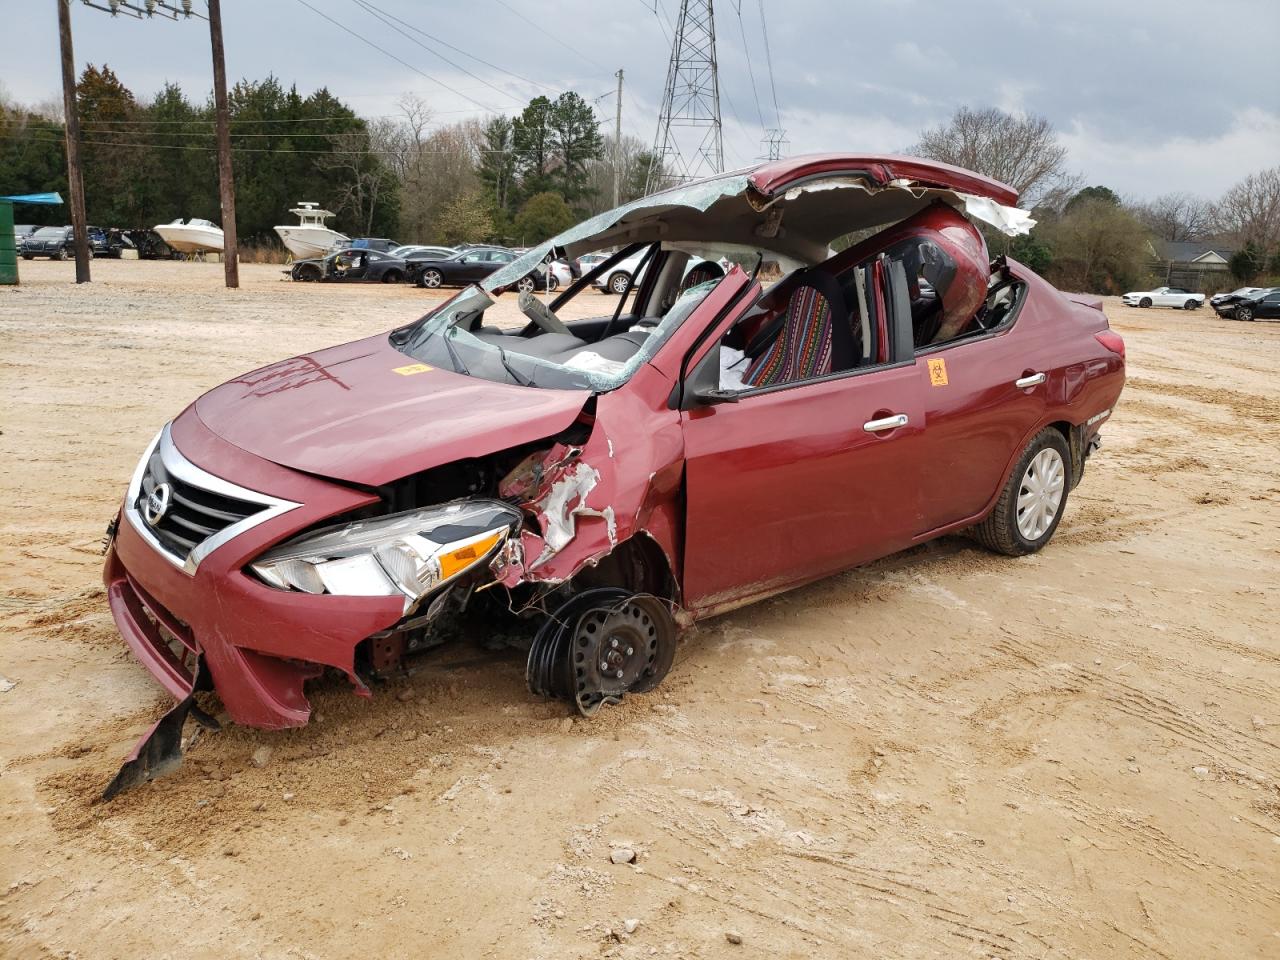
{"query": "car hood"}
(367, 414)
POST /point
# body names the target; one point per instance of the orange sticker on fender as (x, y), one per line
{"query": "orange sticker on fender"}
(413, 368)
(938, 373)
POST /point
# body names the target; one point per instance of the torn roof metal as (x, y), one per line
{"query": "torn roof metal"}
(788, 207)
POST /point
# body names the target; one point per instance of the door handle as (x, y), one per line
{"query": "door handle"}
(1034, 380)
(886, 423)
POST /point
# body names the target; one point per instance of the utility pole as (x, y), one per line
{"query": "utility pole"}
(75, 179)
(617, 145)
(226, 182)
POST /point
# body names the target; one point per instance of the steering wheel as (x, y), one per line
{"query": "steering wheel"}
(540, 314)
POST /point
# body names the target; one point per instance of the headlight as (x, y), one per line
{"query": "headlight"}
(405, 554)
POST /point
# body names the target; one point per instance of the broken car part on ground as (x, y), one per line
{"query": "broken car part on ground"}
(707, 441)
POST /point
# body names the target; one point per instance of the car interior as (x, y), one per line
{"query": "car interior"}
(827, 318)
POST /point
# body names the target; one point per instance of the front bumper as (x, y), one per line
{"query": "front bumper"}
(260, 644)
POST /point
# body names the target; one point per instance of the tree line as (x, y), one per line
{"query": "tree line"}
(513, 179)
(520, 179)
(1089, 237)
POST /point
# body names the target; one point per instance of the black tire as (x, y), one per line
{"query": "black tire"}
(1144, 302)
(431, 278)
(1190, 305)
(61, 254)
(553, 284)
(392, 276)
(528, 284)
(28, 256)
(1000, 531)
(1244, 313)
(308, 274)
(619, 282)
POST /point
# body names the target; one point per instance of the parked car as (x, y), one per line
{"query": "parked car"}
(471, 265)
(602, 482)
(423, 254)
(1165, 297)
(1224, 304)
(381, 244)
(350, 264)
(619, 277)
(106, 243)
(585, 262)
(56, 243)
(1262, 305)
(404, 251)
(21, 230)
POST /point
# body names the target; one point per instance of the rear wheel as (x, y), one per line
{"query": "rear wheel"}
(619, 283)
(431, 279)
(1144, 302)
(526, 284)
(1032, 502)
(392, 276)
(1190, 305)
(61, 254)
(308, 273)
(553, 284)
(1244, 313)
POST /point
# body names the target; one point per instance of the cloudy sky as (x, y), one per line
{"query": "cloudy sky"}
(1149, 96)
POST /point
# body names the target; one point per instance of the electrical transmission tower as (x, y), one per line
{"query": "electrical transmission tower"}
(690, 141)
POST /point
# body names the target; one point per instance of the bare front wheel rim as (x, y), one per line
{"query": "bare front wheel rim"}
(1040, 493)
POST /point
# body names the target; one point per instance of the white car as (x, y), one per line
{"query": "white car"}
(618, 277)
(1165, 297)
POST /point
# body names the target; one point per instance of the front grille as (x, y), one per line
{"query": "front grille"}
(194, 514)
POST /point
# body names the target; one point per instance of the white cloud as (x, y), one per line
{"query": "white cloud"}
(1145, 167)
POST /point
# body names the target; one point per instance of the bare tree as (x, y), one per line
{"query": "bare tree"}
(361, 173)
(1250, 211)
(1022, 151)
(1176, 216)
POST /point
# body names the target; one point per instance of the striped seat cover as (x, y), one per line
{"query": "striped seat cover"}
(802, 349)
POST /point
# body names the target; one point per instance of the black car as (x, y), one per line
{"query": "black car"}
(470, 266)
(1224, 304)
(106, 243)
(56, 243)
(1265, 304)
(381, 244)
(350, 264)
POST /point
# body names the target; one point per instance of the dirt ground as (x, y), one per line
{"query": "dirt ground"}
(943, 754)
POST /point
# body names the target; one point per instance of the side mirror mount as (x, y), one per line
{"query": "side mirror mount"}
(710, 396)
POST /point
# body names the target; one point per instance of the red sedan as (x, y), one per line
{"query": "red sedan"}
(711, 440)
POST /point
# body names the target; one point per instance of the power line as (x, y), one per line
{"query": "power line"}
(179, 146)
(768, 58)
(746, 53)
(537, 26)
(403, 63)
(388, 18)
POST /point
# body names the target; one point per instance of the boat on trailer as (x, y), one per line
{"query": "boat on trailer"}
(309, 237)
(192, 236)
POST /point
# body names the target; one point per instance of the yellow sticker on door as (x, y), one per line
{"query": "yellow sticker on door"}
(411, 369)
(938, 373)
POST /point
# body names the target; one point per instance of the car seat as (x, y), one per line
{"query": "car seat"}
(814, 338)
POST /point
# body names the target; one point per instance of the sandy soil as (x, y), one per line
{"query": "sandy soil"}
(944, 754)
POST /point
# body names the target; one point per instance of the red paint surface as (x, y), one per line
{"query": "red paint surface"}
(744, 498)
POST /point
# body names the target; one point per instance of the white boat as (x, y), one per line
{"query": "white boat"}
(310, 237)
(194, 236)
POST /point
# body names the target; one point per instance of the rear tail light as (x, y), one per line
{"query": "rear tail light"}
(1111, 340)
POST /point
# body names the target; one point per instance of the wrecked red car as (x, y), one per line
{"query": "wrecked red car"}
(710, 440)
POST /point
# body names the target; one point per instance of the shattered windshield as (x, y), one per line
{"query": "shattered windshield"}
(451, 339)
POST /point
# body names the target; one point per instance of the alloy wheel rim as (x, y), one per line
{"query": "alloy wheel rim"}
(1040, 493)
(431, 279)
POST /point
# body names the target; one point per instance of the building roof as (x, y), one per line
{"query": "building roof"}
(1191, 251)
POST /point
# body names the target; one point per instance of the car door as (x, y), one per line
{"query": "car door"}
(796, 481)
(473, 266)
(1269, 306)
